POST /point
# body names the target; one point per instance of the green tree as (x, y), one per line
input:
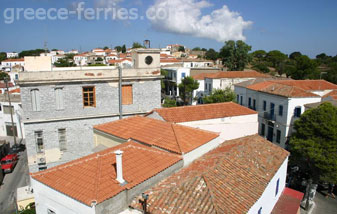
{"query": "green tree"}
(235, 55)
(294, 55)
(181, 49)
(3, 56)
(3, 75)
(305, 69)
(314, 144)
(276, 58)
(137, 45)
(186, 88)
(118, 48)
(211, 54)
(203, 49)
(35, 52)
(63, 62)
(262, 67)
(220, 96)
(169, 103)
(196, 49)
(29, 209)
(123, 49)
(106, 48)
(259, 54)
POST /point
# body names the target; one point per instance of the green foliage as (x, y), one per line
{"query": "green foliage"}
(305, 68)
(181, 49)
(211, 54)
(314, 144)
(295, 55)
(118, 48)
(276, 57)
(203, 49)
(259, 54)
(64, 62)
(137, 45)
(123, 49)
(235, 55)
(97, 64)
(262, 67)
(106, 48)
(186, 88)
(3, 75)
(169, 103)
(35, 52)
(3, 56)
(29, 209)
(220, 96)
(99, 59)
(196, 49)
(70, 56)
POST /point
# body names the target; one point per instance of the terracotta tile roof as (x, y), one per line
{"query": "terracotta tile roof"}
(229, 179)
(332, 94)
(14, 60)
(112, 61)
(230, 74)
(203, 112)
(168, 136)
(15, 91)
(170, 60)
(309, 85)
(276, 88)
(289, 202)
(3, 85)
(93, 178)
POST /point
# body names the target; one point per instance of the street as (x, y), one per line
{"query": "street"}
(18, 178)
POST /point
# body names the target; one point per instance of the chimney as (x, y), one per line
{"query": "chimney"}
(119, 166)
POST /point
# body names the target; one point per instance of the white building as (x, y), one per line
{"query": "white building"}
(229, 119)
(5, 116)
(197, 63)
(8, 64)
(12, 55)
(72, 52)
(280, 103)
(175, 75)
(99, 52)
(124, 63)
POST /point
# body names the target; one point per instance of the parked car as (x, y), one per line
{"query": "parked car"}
(18, 148)
(9, 162)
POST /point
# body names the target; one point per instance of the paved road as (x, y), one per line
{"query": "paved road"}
(18, 178)
(324, 205)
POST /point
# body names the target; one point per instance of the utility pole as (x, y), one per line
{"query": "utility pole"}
(120, 73)
(11, 109)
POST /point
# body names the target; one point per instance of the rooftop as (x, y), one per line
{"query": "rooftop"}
(220, 181)
(203, 112)
(93, 178)
(171, 137)
(289, 202)
(15, 98)
(309, 85)
(315, 105)
(14, 60)
(230, 74)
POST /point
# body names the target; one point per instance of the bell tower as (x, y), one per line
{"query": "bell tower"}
(146, 58)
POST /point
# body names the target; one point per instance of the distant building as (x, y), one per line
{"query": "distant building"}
(12, 55)
(62, 106)
(9, 64)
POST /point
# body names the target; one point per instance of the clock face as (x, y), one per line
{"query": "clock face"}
(148, 60)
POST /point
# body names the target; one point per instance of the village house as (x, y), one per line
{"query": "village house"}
(280, 103)
(8, 64)
(62, 106)
(12, 55)
(229, 119)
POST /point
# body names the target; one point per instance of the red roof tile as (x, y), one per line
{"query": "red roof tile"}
(168, 136)
(230, 74)
(169, 60)
(15, 91)
(93, 178)
(14, 60)
(229, 179)
(203, 112)
(309, 85)
(289, 202)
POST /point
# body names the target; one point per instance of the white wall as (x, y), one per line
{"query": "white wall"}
(228, 127)
(268, 199)
(47, 198)
(17, 119)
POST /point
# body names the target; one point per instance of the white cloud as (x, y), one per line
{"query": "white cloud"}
(185, 17)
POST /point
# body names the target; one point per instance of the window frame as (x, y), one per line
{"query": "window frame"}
(64, 146)
(125, 102)
(263, 129)
(280, 110)
(277, 187)
(38, 149)
(35, 99)
(89, 93)
(7, 109)
(264, 105)
(59, 98)
(278, 136)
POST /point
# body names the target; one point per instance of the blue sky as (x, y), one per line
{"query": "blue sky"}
(308, 26)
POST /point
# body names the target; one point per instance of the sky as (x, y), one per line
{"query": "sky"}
(308, 26)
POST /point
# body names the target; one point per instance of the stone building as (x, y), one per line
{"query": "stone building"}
(61, 107)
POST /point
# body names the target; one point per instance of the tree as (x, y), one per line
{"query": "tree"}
(118, 48)
(3, 56)
(314, 144)
(35, 52)
(63, 62)
(235, 55)
(196, 49)
(169, 103)
(220, 96)
(305, 69)
(276, 58)
(203, 49)
(181, 49)
(29, 209)
(211, 54)
(3, 75)
(262, 67)
(294, 55)
(259, 54)
(137, 45)
(123, 49)
(186, 88)
(106, 48)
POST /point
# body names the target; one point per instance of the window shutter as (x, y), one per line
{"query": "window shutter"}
(37, 96)
(127, 97)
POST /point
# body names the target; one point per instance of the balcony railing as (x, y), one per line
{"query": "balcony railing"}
(270, 116)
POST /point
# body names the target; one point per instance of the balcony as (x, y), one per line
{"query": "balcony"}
(269, 116)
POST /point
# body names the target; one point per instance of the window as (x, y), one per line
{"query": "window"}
(238, 98)
(62, 139)
(0, 108)
(241, 100)
(59, 98)
(89, 96)
(277, 186)
(35, 96)
(249, 102)
(39, 141)
(205, 86)
(127, 95)
(264, 105)
(263, 129)
(297, 112)
(254, 104)
(8, 109)
(183, 75)
(16, 76)
(260, 211)
(280, 110)
(49, 211)
(278, 136)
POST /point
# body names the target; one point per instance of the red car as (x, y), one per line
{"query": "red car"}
(9, 162)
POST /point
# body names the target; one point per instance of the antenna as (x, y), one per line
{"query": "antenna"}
(45, 47)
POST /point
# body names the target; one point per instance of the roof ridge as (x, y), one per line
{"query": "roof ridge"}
(198, 129)
(176, 137)
(98, 176)
(210, 193)
(192, 106)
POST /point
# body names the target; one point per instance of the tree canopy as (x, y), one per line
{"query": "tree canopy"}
(35, 52)
(235, 55)
(186, 88)
(3, 56)
(64, 62)
(137, 45)
(3, 75)
(220, 96)
(181, 49)
(118, 48)
(314, 144)
(123, 49)
(211, 54)
(169, 103)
